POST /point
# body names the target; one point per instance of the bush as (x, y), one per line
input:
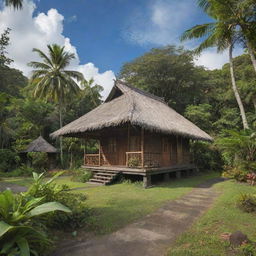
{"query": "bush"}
(70, 221)
(19, 234)
(247, 202)
(39, 160)
(23, 170)
(206, 156)
(81, 175)
(53, 192)
(237, 174)
(238, 149)
(8, 160)
(133, 162)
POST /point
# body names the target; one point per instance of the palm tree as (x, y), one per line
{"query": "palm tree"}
(238, 14)
(93, 91)
(52, 80)
(222, 35)
(16, 4)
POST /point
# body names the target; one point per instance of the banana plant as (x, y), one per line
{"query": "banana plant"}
(17, 234)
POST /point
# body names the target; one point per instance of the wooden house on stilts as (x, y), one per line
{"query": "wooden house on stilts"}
(138, 133)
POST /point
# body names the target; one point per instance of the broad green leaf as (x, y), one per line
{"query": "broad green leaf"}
(31, 203)
(23, 246)
(48, 207)
(4, 228)
(54, 177)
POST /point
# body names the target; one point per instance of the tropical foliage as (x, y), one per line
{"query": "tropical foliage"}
(19, 235)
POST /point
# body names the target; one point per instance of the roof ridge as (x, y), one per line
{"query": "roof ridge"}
(140, 91)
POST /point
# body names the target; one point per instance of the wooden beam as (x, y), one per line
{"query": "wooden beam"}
(99, 153)
(142, 147)
(128, 144)
(146, 181)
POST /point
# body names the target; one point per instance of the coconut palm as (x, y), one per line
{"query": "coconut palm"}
(16, 4)
(52, 80)
(236, 13)
(223, 36)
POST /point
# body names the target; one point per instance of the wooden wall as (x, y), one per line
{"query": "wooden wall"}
(159, 150)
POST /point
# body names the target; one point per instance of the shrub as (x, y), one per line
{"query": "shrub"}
(76, 219)
(19, 235)
(53, 192)
(251, 178)
(39, 160)
(237, 174)
(248, 249)
(206, 156)
(23, 170)
(133, 162)
(8, 160)
(247, 202)
(239, 149)
(81, 175)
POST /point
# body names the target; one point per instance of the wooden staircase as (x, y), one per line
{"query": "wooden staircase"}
(103, 177)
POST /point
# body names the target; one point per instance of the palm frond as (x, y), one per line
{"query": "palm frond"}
(198, 31)
(41, 65)
(43, 56)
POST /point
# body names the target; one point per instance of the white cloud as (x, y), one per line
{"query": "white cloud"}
(213, 60)
(160, 23)
(28, 32)
(107, 78)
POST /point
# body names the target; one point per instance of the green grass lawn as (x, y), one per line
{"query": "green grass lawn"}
(26, 181)
(113, 207)
(117, 205)
(204, 236)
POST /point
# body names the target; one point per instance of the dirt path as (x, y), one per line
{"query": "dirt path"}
(152, 235)
(14, 187)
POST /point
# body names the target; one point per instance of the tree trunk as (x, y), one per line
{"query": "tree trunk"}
(234, 87)
(251, 53)
(61, 124)
(254, 103)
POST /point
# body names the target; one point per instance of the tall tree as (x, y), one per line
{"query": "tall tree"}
(239, 14)
(52, 80)
(223, 35)
(168, 72)
(4, 42)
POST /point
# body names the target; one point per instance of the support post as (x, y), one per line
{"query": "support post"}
(99, 153)
(178, 174)
(146, 181)
(166, 177)
(142, 147)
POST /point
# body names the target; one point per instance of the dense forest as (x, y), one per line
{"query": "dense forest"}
(203, 96)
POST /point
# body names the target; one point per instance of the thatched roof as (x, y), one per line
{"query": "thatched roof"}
(126, 104)
(40, 145)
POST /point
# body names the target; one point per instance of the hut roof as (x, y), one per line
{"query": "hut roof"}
(40, 145)
(126, 104)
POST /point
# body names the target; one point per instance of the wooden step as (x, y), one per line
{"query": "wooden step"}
(96, 180)
(105, 174)
(102, 177)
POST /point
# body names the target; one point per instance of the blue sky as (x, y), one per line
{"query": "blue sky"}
(102, 30)
(103, 34)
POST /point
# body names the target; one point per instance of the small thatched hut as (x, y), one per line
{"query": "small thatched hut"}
(138, 133)
(42, 146)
